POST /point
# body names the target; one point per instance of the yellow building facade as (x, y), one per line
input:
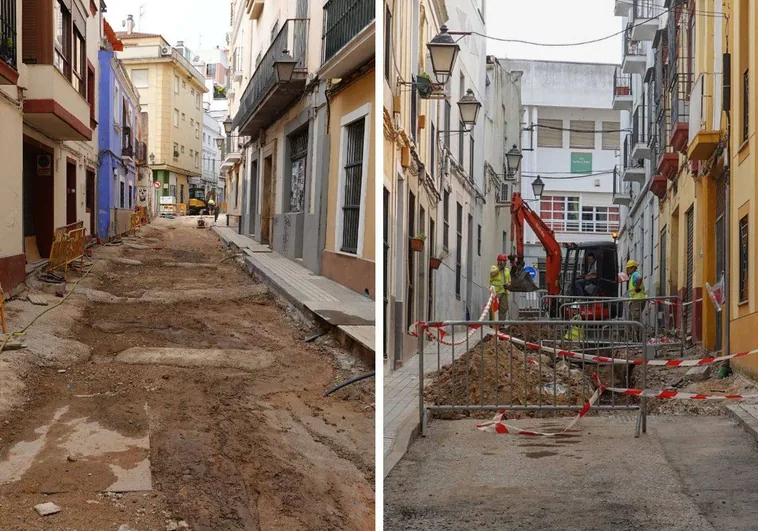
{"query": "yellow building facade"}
(171, 91)
(410, 197)
(743, 292)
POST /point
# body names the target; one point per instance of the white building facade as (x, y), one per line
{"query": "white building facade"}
(571, 141)
(212, 157)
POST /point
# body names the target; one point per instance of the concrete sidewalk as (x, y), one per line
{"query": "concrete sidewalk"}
(401, 416)
(352, 313)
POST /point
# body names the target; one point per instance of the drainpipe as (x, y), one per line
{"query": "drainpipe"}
(726, 105)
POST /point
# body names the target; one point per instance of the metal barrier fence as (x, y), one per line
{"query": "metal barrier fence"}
(67, 247)
(533, 366)
(528, 303)
(662, 317)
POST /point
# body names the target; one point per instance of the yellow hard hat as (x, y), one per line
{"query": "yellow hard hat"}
(631, 263)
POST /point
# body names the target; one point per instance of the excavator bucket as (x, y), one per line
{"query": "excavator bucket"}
(521, 282)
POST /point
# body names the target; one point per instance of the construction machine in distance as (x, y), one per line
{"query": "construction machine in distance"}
(198, 202)
(561, 269)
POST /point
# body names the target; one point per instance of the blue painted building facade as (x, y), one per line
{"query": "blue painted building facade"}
(117, 130)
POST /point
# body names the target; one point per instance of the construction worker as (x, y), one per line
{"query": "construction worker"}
(636, 291)
(587, 285)
(576, 332)
(500, 279)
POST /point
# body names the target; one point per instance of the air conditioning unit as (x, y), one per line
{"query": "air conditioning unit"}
(166, 50)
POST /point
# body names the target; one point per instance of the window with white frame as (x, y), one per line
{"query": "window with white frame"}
(140, 77)
(560, 213)
(176, 84)
(600, 219)
(176, 117)
(353, 174)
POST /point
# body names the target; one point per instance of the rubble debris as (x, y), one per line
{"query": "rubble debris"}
(46, 509)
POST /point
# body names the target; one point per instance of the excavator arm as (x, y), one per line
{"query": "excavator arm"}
(521, 213)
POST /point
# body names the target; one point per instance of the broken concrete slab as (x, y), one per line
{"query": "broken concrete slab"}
(246, 360)
(37, 300)
(173, 297)
(125, 261)
(698, 373)
(190, 265)
(46, 509)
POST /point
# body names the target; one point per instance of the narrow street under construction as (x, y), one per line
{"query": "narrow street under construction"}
(172, 390)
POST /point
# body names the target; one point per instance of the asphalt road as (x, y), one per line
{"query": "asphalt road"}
(686, 473)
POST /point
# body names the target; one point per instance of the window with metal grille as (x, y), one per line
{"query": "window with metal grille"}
(121, 195)
(664, 261)
(582, 134)
(387, 41)
(433, 250)
(432, 152)
(458, 249)
(745, 105)
(560, 213)
(351, 197)
(386, 233)
(446, 221)
(549, 133)
(414, 112)
(479, 240)
(298, 153)
(743, 259)
(471, 160)
(411, 273)
(611, 136)
(604, 220)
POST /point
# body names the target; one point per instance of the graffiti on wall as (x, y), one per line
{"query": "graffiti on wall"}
(142, 194)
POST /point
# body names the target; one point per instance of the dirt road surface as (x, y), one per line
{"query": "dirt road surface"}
(171, 390)
(685, 474)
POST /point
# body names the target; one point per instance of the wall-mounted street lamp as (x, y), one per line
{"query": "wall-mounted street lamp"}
(469, 108)
(284, 67)
(228, 125)
(152, 159)
(443, 51)
(220, 143)
(513, 160)
(538, 187)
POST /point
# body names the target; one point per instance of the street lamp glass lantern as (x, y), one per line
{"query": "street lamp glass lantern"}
(538, 187)
(228, 125)
(152, 158)
(513, 160)
(443, 51)
(469, 107)
(284, 67)
(220, 143)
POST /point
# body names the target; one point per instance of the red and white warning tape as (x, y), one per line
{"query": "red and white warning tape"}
(678, 395)
(496, 425)
(440, 334)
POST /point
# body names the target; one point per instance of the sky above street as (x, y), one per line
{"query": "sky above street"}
(554, 21)
(188, 20)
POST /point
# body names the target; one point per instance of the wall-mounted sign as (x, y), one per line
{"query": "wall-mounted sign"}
(168, 200)
(581, 162)
(157, 185)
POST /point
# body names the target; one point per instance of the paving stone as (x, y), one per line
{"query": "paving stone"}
(46, 509)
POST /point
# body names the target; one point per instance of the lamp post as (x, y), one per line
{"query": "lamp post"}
(228, 125)
(513, 160)
(538, 187)
(284, 67)
(443, 51)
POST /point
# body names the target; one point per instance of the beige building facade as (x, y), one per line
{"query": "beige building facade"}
(171, 92)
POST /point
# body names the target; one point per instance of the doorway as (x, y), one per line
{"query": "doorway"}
(253, 205)
(90, 200)
(70, 192)
(267, 202)
(38, 200)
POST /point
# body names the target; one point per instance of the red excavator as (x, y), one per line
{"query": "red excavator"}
(561, 271)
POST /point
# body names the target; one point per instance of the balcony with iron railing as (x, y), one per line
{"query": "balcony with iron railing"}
(645, 15)
(622, 8)
(622, 91)
(658, 182)
(634, 56)
(348, 36)
(8, 43)
(681, 86)
(237, 63)
(705, 117)
(640, 132)
(633, 169)
(622, 192)
(266, 98)
(668, 159)
(230, 153)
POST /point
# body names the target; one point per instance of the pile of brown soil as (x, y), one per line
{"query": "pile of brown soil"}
(498, 373)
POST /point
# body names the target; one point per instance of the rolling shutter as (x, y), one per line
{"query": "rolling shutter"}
(549, 133)
(582, 134)
(611, 135)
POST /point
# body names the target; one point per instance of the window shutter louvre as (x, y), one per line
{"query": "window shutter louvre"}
(549, 133)
(582, 134)
(611, 135)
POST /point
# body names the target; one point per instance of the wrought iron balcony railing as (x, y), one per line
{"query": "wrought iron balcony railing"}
(645, 9)
(8, 34)
(631, 47)
(343, 20)
(681, 86)
(622, 83)
(639, 125)
(293, 37)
